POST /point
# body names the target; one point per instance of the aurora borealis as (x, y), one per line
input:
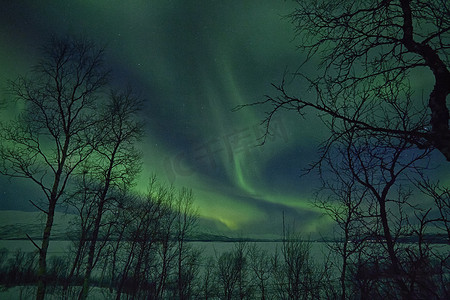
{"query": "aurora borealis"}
(192, 62)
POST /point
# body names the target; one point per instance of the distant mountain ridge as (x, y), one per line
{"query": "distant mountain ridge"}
(16, 225)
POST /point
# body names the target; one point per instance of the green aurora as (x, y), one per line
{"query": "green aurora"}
(192, 62)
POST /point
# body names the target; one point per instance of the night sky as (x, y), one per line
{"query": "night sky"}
(192, 62)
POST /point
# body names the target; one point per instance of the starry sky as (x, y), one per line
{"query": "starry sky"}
(192, 62)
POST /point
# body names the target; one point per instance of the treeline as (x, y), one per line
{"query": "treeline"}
(154, 262)
(139, 249)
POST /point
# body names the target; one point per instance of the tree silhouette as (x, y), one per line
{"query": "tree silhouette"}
(343, 202)
(259, 262)
(370, 54)
(370, 196)
(185, 224)
(114, 163)
(52, 136)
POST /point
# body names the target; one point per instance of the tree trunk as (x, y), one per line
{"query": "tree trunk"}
(77, 259)
(42, 270)
(86, 282)
(440, 131)
(90, 263)
(391, 251)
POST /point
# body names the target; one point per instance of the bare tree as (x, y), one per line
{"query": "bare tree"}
(344, 204)
(259, 262)
(292, 268)
(150, 253)
(186, 222)
(244, 288)
(81, 200)
(372, 199)
(115, 161)
(135, 253)
(441, 196)
(52, 136)
(227, 274)
(368, 53)
(381, 169)
(207, 285)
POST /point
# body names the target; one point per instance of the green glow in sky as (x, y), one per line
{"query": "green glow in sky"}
(193, 61)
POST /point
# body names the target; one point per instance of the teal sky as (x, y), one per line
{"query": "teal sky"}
(192, 62)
